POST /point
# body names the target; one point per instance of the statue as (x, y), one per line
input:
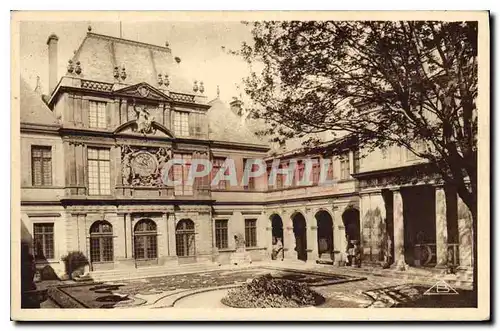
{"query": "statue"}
(240, 242)
(277, 253)
(144, 120)
(241, 256)
(126, 168)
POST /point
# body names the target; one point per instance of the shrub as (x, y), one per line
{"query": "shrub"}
(74, 261)
(268, 292)
(47, 273)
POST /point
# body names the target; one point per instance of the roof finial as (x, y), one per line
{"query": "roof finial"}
(218, 92)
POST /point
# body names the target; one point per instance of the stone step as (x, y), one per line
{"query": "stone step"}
(144, 272)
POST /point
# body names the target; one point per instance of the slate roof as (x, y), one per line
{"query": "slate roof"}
(33, 109)
(100, 54)
(224, 125)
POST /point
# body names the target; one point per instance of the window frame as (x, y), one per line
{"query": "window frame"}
(184, 237)
(250, 232)
(102, 237)
(100, 186)
(98, 124)
(181, 128)
(345, 167)
(183, 189)
(217, 164)
(221, 233)
(148, 238)
(44, 234)
(42, 159)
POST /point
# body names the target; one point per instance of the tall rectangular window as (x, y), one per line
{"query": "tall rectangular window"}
(43, 240)
(41, 165)
(181, 123)
(221, 234)
(316, 169)
(345, 172)
(251, 233)
(217, 165)
(181, 172)
(97, 114)
(251, 180)
(280, 178)
(99, 173)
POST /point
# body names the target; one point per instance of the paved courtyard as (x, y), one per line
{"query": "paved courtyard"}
(341, 287)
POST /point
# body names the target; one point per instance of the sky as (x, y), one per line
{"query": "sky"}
(198, 44)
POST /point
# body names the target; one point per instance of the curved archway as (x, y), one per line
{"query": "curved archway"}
(101, 242)
(324, 222)
(300, 233)
(145, 240)
(277, 236)
(185, 238)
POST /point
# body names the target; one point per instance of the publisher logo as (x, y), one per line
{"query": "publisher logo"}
(441, 288)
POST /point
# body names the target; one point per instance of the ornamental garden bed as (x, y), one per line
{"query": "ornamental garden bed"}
(268, 292)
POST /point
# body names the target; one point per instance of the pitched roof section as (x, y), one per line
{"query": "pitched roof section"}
(224, 125)
(33, 109)
(100, 54)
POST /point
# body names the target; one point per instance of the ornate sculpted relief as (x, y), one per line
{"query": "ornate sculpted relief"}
(143, 166)
(144, 120)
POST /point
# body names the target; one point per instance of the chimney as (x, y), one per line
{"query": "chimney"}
(52, 46)
(236, 106)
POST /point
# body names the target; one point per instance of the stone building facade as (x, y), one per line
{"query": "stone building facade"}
(91, 158)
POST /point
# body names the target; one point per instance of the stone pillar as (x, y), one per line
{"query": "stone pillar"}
(441, 228)
(289, 241)
(312, 242)
(171, 235)
(128, 236)
(163, 249)
(465, 238)
(399, 233)
(379, 227)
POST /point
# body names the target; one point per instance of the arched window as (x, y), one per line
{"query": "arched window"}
(184, 238)
(145, 241)
(101, 242)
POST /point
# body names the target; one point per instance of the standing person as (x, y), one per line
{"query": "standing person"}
(279, 249)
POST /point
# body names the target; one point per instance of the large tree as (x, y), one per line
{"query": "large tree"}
(412, 84)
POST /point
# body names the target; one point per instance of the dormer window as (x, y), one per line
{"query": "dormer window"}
(97, 114)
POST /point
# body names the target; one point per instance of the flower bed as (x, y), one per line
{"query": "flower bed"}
(269, 292)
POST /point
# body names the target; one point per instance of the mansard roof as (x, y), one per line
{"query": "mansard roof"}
(224, 125)
(33, 109)
(100, 54)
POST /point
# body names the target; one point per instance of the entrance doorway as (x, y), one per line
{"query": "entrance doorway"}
(350, 218)
(325, 234)
(419, 219)
(277, 237)
(300, 233)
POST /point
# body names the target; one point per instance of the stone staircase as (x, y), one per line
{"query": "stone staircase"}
(152, 271)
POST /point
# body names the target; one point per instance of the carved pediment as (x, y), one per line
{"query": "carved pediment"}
(153, 129)
(143, 90)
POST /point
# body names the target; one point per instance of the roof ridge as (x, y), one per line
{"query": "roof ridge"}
(129, 41)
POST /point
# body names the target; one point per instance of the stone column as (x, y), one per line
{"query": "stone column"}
(465, 238)
(289, 240)
(312, 242)
(379, 227)
(171, 234)
(441, 228)
(128, 236)
(399, 233)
